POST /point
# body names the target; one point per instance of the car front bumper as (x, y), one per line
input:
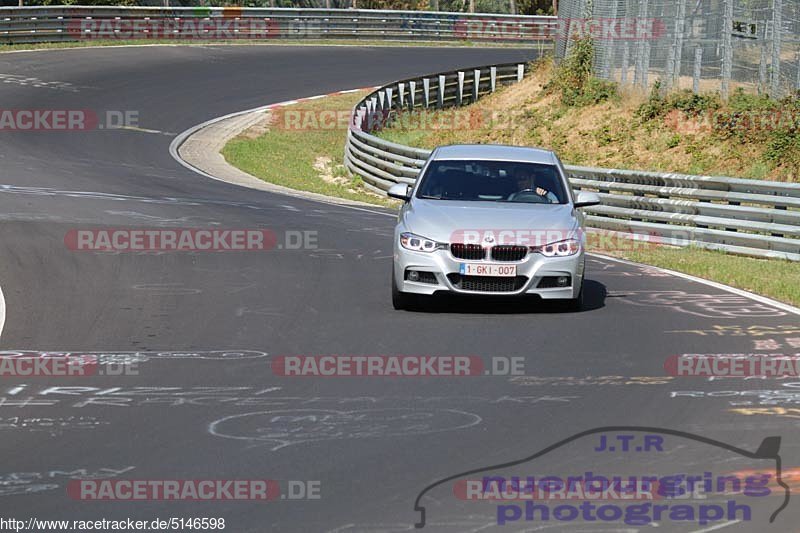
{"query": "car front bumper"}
(534, 267)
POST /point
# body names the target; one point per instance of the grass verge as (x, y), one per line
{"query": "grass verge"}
(773, 278)
(301, 147)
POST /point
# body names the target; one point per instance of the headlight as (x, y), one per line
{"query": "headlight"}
(559, 249)
(409, 241)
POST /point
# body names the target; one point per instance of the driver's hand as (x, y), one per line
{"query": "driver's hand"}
(541, 192)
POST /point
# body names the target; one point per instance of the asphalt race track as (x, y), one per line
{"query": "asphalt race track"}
(372, 443)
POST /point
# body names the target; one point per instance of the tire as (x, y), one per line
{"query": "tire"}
(400, 300)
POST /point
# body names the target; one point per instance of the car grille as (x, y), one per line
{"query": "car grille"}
(509, 253)
(472, 252)
(487, 283)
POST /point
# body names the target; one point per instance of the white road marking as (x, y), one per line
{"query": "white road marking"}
(755, 297)
(143, 130)
(718, 526)
(2, 311)
(36, 82)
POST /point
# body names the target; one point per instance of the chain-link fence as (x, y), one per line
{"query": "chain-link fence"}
(704, 45)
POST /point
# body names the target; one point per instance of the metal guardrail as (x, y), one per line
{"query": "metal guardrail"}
(746, 217)
(74, 23)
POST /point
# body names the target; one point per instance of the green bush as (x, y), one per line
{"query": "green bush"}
(654, 107)
(754, 118)
(692, 105)
(783, 148)
(596, 91)
(573, 72)
(741, 101)
(746, 116)
(674, 141)
(574, 81)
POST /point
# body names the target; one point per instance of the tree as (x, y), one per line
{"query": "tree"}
(535, 7)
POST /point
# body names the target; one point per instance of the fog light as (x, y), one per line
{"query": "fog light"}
(413, 275)
(562, 281)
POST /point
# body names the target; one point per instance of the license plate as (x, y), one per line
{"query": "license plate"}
(498, 271)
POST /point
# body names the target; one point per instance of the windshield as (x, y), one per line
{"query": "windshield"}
(493, 181)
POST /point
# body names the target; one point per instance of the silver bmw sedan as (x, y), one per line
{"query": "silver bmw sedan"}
(490, 220)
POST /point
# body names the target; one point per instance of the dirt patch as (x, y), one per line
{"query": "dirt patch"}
(326, 170)
(259, 128)
(333, 173)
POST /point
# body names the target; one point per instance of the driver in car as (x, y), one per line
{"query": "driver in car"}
(529, 183)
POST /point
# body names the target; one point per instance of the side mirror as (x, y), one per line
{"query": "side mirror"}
(401, 191)
(586, 199)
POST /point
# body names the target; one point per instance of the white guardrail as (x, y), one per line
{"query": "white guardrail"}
(75, 23)
(741, 216)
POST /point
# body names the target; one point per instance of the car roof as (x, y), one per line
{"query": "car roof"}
(497, 152)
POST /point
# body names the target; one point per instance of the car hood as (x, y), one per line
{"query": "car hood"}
(447, 220)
